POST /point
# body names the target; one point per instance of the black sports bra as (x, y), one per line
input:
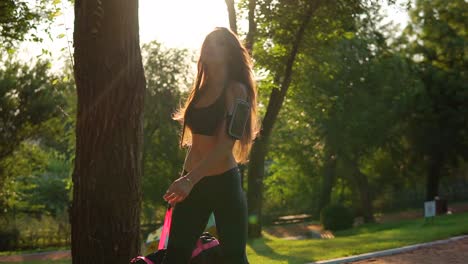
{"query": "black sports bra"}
(205, 120)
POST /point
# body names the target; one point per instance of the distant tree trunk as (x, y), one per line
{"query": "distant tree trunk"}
(362, 185)
(232, 15)
(328, 180)
(259, 148)
(433, 176)
(110, 83)
(366, 199)
(250, 39)
(255, 186)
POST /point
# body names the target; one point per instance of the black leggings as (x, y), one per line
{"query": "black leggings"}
(223, 195)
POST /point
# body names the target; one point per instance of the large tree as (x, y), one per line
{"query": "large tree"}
(109, 132)
(280, 28)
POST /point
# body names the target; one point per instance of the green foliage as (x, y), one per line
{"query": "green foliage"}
(288, 189)
(41, 146)
(20, 17)
(336, 217)
(359, 93)
(51, 190)
(34, 144)
(291, 175)
(347, 98)
(168, 74)
(38, 181)
(19, 170)
(437, 114)
(27, 99)
(278, 23)
(295, 148)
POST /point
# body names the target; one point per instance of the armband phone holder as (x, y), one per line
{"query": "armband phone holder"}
(239, 118)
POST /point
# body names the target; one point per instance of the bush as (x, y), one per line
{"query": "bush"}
(336, 217)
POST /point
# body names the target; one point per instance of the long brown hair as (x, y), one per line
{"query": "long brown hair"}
(239, 68)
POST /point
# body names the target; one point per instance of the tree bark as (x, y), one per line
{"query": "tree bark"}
(259, 148)
(250, 39)
(105, 213)
(255, 186)
(232, 15)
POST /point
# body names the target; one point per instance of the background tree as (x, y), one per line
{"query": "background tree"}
(109, 132)
(437, 123)
(168, 75)
(282, 26)
(30, 97)
(298, 14)
(19, 17)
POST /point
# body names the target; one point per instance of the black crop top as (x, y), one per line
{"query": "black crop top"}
(205, 120)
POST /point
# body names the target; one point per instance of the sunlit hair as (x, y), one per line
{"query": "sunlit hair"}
(239, 69)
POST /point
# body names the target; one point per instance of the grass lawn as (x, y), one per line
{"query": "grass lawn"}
(363, 239)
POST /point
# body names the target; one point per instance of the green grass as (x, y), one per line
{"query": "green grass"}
(363, 239)
(38, 250)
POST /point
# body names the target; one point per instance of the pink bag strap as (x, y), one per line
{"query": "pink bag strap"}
(200, 246)
(148, 261)
(166, 228)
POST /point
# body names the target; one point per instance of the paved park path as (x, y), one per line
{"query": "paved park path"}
(455, 252)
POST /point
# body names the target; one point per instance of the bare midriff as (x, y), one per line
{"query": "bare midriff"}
(201, 147)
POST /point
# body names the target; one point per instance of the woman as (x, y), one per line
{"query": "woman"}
(211, 178)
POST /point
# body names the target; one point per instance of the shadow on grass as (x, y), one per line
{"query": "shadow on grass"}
(260, 247)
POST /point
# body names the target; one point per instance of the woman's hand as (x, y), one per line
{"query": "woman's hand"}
(178, 190)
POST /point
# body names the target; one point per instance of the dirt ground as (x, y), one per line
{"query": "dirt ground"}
(455, 252)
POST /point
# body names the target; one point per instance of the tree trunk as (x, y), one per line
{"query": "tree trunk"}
(259, 148)
(255, 186)
(328, 180)
(232, 15)
(364, 192)
(109, 132)
(433, 176)
(361, 184)
(250, 38)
